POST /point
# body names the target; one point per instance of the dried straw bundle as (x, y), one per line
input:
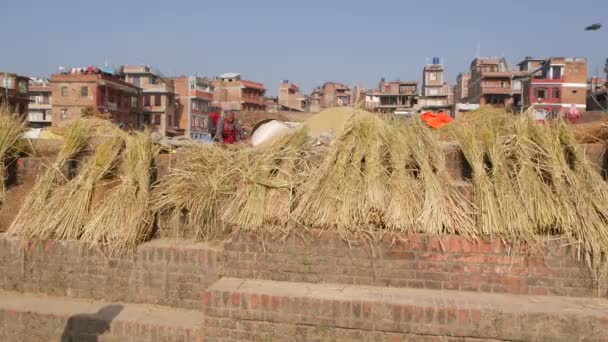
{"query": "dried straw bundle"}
(68, 209)
(29, 219)
(348, 190)
(404, 188)
(269, 178)
(445, 210)
(11, 128)
(124, 218)
(197, 188)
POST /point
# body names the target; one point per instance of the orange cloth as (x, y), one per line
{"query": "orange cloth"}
(436, 120)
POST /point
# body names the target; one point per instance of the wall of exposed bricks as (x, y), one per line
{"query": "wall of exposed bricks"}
(171, 273)
(430, 262)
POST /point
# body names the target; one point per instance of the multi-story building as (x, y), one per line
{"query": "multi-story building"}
(491, 82)
(335, 94)
(394, 97)
(41, 105)
(195, 95)
(99, 91)
(14, 92)
(159, 99)
(461, 90)
(555, 85)
(315, 100)
(291, 99)
(233, 93)
(435, 93)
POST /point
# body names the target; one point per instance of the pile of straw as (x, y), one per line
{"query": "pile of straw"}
(29, 221)
(11, 128)
(124, 219)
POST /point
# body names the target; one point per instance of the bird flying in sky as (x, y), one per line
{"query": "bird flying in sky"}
(593, 27)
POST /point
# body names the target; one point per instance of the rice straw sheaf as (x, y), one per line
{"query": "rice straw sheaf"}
(348, 190)
(28, 220)
(475, 143)
(11, 128)
(124, 218)
(405, 192)
(445, 209)
(269, 177)
(193, 194)
(68, 209)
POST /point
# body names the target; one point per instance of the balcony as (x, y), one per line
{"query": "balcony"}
(496, 89)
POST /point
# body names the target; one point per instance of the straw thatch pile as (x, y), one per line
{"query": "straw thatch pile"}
(11, 128)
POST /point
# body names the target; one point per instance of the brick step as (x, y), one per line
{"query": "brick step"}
(27, 317)
(278, 311)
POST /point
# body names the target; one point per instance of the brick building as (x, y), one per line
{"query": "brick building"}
(491, 82)
(461, 90)
(14, 92)
(554, 85)
(335, 94)
(99, 91)
(41, 105)
(291, 99)
(394, 97)
(159, 98)
(233, 93)
(195, 96)
(315, 100)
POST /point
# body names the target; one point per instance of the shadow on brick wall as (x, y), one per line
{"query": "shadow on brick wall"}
(88, 327)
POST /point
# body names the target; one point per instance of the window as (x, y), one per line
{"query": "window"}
(195, 105)
(157, 100)
(433, 76)
(147, 100)
(64, 114)
(111, 96)
(84, 91)
(574, 91)
(556, 93)
(135, 81)
(541, 93)
(22, 87)
(156, 119)
(133, 102)
(192, 86)
(433, 92)
(557, 72)
(64, 91)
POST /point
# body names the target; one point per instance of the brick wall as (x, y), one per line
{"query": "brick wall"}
(419, 261)
(160, 272)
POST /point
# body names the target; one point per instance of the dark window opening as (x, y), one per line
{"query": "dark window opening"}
(84, 91)
(157, 100)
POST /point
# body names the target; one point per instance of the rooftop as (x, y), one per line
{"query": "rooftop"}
(229, 75)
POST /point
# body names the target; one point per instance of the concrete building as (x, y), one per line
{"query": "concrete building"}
(393, 97)
(491, 82)
(435, 93)
(40, 111)
(461, 90)
(554, 85)
(159, 99)
(195, 96)
(100, 91)
(290, 98)
(233, 93)
(14, 92)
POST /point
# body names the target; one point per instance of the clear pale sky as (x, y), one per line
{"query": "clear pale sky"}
(306, 42)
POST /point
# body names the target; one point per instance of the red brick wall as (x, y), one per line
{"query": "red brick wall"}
(419, 261)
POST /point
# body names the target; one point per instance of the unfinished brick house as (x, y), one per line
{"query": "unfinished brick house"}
(335, 94)
(14, 92)
(159, 99)
(195, 96)
(99, 91)
(290, 98)
(394, 97)
(233, 93)
(555, 85)
(491, 82)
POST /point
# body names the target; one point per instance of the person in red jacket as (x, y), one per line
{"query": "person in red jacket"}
(212, 122)
(228, 130)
